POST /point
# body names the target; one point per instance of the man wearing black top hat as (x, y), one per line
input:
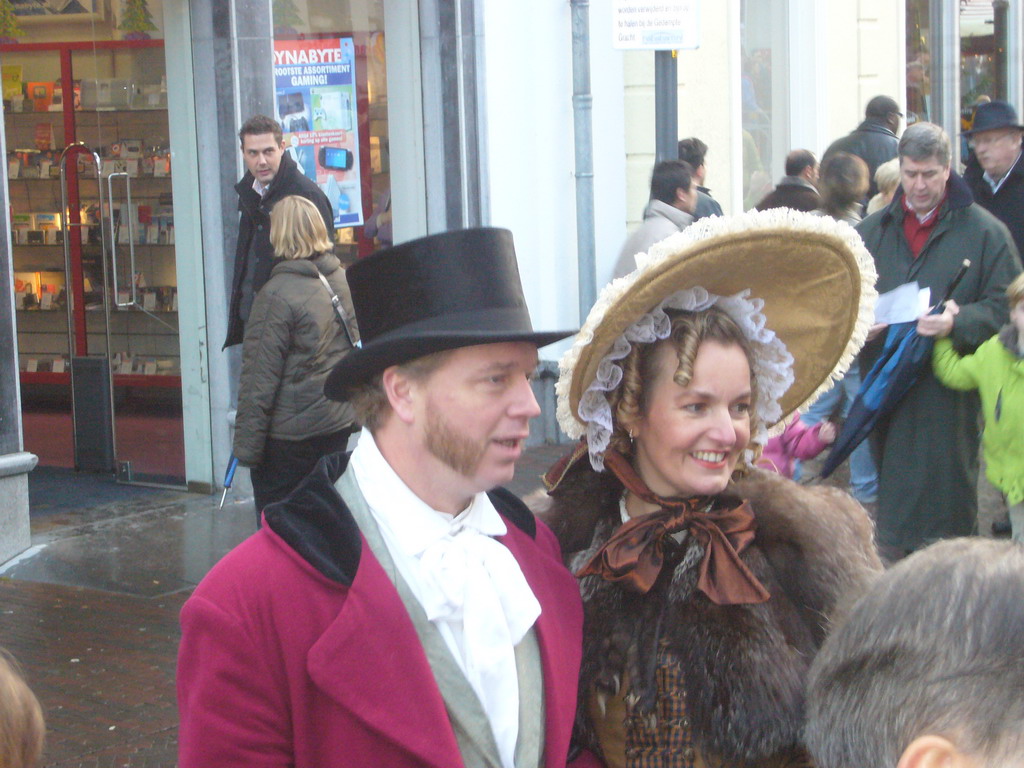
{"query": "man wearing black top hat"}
(399, 608)
(994, 171)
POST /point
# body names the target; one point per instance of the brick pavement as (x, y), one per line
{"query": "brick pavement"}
(102, 663)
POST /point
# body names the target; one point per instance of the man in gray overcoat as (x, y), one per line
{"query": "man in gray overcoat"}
(927, 448)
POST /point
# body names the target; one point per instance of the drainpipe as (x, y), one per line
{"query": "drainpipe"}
(582, 118)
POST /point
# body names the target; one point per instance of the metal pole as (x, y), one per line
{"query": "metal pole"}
(944, 47)
(582, 114)
(666, 106)
(1000, 10)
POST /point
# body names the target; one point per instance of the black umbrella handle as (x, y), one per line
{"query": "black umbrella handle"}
(952, 286)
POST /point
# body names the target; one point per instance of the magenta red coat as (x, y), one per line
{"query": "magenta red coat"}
(297, 651)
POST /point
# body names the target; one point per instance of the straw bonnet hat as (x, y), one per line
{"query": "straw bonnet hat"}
(815, 279)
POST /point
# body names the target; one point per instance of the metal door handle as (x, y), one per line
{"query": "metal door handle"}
(134, 295)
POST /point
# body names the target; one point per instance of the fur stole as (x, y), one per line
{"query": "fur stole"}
(744, 666)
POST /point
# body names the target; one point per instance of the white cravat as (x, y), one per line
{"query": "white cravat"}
(470, 586)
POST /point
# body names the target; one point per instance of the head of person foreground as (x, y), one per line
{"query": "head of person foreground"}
(928, 669)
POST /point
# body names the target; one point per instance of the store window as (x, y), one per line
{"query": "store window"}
(85, 87)
(919, 105)
(332, 102)
(984, 41)
(983, 54)
(764, 70)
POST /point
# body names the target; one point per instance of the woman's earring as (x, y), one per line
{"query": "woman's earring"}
(631, 440)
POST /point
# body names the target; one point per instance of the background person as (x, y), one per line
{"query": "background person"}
(926, 449)
(927, 670)
(996, 178)
(797, 442)
(887, 180)
(843, 184)
(996, 370)
(994, 171)
(797, 189)
(706, 594)
(673, 201)
(694, 151)
(875, 140)
(292, 342)
(270, 175)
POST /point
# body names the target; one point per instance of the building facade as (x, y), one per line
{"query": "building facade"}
(118, 254)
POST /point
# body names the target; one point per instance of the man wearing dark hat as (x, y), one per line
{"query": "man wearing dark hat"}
(874, 141)
(400, 609)
(994, 171)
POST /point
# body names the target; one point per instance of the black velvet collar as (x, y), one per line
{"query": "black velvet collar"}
(315, 522)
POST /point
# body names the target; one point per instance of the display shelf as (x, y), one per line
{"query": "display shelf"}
(166, 381)
(130, 136)
(99, 111)
(49, 179)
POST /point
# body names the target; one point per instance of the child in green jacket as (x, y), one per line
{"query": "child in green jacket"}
(996, 370)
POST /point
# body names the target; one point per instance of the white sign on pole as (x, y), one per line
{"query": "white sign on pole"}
(653, 25)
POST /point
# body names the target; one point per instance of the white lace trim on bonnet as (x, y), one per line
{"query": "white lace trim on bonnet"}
(773, 364)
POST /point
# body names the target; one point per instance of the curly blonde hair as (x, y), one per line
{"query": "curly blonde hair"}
(640, 367)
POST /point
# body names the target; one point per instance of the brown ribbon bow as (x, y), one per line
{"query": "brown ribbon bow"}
(635, 553)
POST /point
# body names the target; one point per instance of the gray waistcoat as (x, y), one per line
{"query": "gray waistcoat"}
(468, 718)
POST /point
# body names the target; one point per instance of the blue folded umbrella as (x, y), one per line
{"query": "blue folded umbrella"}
(898, 367)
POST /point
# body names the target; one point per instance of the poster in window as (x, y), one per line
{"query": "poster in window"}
(316, 106)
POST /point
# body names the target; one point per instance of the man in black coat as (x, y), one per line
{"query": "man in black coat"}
(271, 174)
(693, 151)
(874, 141)
(797, 188)
(994, 171)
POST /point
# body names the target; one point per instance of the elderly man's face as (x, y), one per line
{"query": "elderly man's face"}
(924, 182)
(997, 150)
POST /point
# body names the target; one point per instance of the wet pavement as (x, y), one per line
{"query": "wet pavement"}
(91, 613)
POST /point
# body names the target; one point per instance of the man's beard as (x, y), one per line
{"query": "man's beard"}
(452, 447)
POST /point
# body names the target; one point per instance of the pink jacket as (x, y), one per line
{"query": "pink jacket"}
(282, 665)
(799, 441)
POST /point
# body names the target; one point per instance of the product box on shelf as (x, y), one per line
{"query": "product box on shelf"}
(21, 224)
(40, 94)
(128, 149)
(12, 81)
(26, 290)
(49, 225)
(107, 93)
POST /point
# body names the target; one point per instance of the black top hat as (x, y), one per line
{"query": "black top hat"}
(444, 291)
(992, 115)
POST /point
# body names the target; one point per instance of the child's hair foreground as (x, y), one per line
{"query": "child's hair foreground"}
(1015, 291)
(21, 718)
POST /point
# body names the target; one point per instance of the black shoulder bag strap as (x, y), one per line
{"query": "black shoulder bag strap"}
(340, 312)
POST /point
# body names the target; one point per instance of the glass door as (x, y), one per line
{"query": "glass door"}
(123, 119)
(116, 369)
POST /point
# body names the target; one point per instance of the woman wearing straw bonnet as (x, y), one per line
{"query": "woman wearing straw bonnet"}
(708, 586)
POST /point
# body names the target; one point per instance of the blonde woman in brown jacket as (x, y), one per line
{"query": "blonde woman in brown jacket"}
(292, 341)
